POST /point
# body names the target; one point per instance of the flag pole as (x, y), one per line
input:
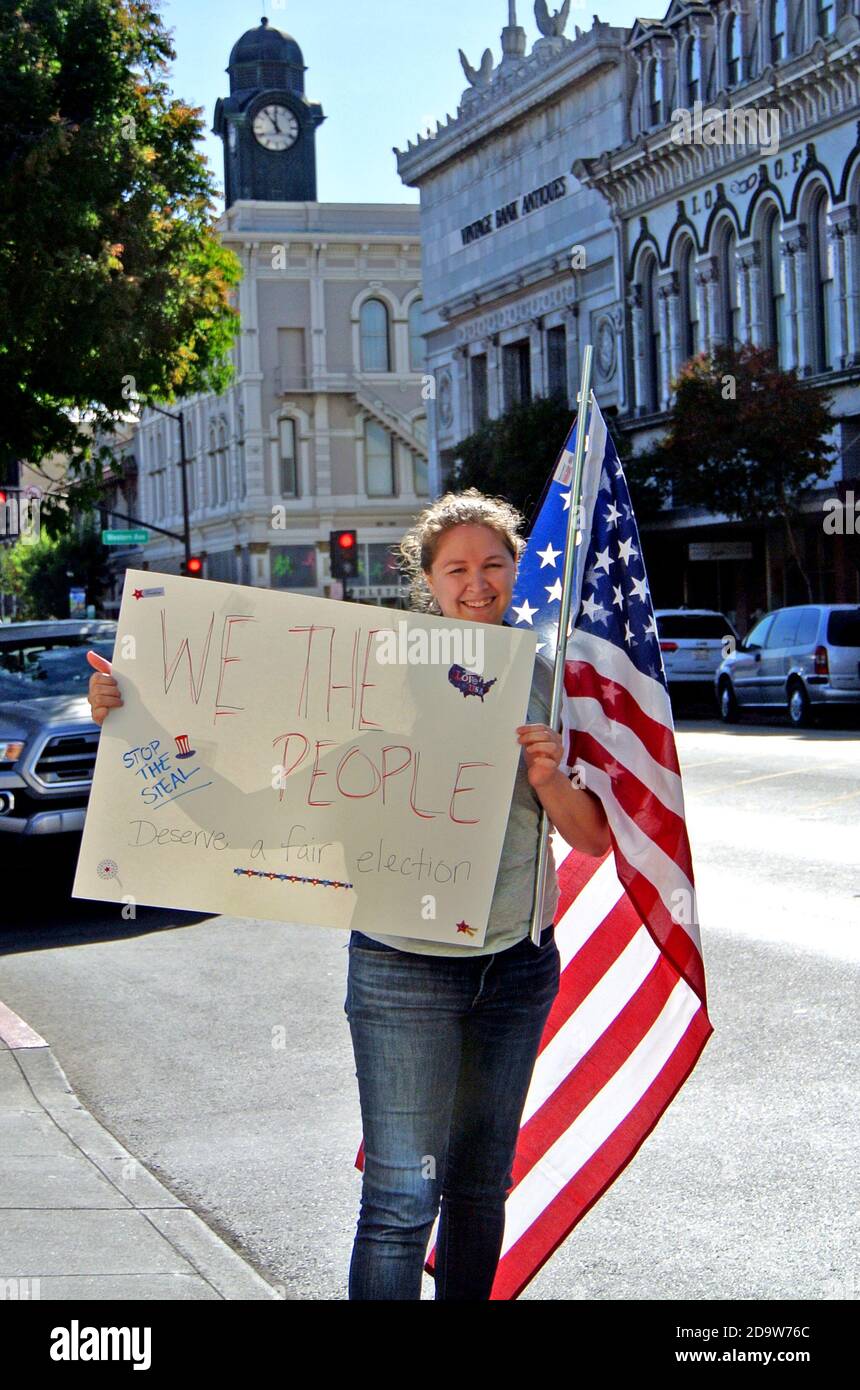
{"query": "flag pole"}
(584, 402)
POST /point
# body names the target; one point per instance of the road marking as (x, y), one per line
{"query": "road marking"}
(744, 781)
(813, 805)
(15, 1033)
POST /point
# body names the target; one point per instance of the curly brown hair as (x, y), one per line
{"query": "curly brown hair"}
(417, 549)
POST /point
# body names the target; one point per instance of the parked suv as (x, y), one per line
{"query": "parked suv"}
(48, 739)
(693, 643)
(806, 657)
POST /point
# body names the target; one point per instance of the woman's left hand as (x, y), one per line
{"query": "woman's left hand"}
(544, 750)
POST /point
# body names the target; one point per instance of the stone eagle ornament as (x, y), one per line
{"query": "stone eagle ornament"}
(551, 26)
(479, 77)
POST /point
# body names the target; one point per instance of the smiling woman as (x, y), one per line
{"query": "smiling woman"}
(445, 1036)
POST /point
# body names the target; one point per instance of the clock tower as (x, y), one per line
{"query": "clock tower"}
(267, 125)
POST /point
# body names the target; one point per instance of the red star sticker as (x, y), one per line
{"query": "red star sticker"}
(138, 593)
(464, 927)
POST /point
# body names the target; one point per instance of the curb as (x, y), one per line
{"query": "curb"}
(55, 1131)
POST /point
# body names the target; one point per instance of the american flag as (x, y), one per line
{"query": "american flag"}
(630, 1020)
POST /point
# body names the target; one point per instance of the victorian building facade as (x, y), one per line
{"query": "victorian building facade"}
(518, 255)
(734, 201)
(569, 201)
(324, 425)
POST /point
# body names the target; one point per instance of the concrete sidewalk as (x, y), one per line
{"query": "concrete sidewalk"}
(80, 1217)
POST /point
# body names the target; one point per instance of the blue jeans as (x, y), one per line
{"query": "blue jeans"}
(444, 1051)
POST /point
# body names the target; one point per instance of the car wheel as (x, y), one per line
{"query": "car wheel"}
(799, 708)
(728, 703)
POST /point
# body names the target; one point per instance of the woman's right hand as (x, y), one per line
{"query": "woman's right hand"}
(103, 693)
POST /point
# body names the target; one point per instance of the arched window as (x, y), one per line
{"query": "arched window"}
(824, 18)
(773, 284)
(821, 272)
(693, 69)
(375, 356)
(651, 333)
(778, 30)
(417, 350)
(733, 51)
(729, 289)
(654, 93)
(689, 300)
(378, 460)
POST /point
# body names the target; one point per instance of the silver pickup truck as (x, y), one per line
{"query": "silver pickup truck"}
(48, 739)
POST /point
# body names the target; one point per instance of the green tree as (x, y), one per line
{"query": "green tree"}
(746, 439)
(113, 283)
(513, 456)
(39, 573)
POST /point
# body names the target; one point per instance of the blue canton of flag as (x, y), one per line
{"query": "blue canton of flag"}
(610, 595)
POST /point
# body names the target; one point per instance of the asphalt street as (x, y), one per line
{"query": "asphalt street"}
(216, 1049)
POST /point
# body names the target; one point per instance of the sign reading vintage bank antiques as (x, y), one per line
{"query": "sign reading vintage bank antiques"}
(305, 760)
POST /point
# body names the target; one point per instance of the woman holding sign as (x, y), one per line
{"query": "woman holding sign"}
(445, 1037)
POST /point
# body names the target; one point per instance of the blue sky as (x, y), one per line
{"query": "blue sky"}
(383, 70)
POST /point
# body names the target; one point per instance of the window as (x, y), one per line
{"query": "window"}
(377, 564)
(240, 451)
(821, 271)
(807, 627)
(733, 51)
(218, 464)
(420, 466)
(756, 637)
(729, 289)
(651, 333)
(478, 374)
(784, 630)
(417, 351)
(773, 284)
(375, 355)
(289, 474)
(825, 18)
(293, 566)
(556, 361)
(223, 486)
(516, 373)
(654, 113)
(693, 69)
(378, 460)
(778, 30)
(689, 301)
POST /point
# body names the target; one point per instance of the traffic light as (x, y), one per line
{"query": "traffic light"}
(192, 566)
(343, 550)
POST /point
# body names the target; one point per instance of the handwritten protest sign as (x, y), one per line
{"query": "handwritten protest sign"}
(305, 760)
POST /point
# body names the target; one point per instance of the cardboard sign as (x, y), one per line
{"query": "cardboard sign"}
(305, 760)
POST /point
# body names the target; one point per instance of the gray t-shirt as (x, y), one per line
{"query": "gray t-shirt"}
(511, 906)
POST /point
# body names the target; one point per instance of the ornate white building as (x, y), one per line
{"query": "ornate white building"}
(734, 200)
(325, 424)
(683, 242)
(518, 255)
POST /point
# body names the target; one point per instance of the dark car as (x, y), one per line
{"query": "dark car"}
(805, 658)
(48, 740)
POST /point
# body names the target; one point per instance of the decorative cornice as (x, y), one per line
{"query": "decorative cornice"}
(654, 167)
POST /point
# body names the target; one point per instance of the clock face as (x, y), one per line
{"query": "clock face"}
(275, 127)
